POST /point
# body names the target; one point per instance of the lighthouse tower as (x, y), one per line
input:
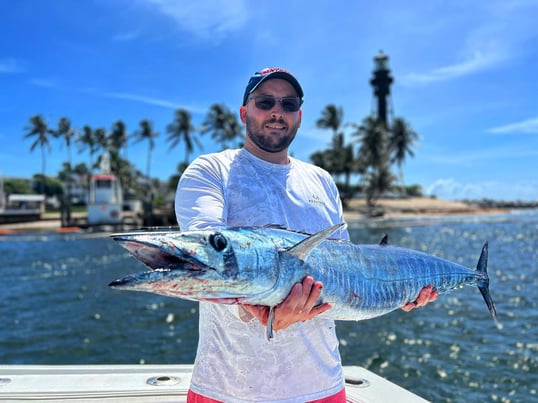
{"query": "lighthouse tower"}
(381, 82)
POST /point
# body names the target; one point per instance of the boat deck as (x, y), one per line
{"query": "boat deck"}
(151, 383)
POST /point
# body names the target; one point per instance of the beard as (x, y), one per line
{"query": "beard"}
(270, 142)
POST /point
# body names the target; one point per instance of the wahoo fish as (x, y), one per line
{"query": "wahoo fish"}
(259, 266)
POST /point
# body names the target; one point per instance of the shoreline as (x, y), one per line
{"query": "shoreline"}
(414, 208)
(355, 210)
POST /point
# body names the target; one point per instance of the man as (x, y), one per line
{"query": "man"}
(259, 185)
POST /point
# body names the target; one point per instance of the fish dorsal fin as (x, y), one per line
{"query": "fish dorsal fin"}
(302, 249)
(384, 240)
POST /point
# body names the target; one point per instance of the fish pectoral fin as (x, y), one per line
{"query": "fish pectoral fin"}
(302, 249)
(270, 321)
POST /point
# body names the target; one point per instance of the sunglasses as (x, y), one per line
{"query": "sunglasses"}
(267, 102)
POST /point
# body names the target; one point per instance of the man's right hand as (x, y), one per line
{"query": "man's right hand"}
(298, 306)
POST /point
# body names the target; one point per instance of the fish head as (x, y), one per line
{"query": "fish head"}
(217, 266)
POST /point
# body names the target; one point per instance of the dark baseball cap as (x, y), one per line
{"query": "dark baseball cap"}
(268, 73)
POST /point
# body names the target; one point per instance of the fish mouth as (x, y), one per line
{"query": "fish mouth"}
(156, 258)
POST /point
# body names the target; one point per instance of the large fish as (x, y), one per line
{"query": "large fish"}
(259, 265)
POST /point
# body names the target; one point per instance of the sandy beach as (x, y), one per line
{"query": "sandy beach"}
(413, 207)
(356, 209)
(49, 223)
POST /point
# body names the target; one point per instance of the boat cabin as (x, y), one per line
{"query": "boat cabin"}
(105, 202)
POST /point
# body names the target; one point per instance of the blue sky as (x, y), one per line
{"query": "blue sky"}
(465, 76)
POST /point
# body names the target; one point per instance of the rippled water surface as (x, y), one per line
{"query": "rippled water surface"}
(56, 308)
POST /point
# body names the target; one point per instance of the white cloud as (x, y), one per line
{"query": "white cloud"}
(150, 101)
(449, 188)
(529, 126)
(205, 18)
(477, 62)
(10, 66)
(490, 34)
(39, 82)
(125, 36)
(463, 157)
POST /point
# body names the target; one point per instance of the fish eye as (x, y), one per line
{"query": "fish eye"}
(218, 241)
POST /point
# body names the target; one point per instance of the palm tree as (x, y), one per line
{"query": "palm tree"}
(372, 142)
(67, 132)
(174, 179)
(101, 139)
(320, 159)
(39, 128)
(146, 133)
(88, 140)
(331, 118)
(223, 125)
(339, 158)
(102, 144)
(378, 182)
(342, 159)
(117, 138)
(401, 138)
(82, 175)
(373, 157)
(181, 129)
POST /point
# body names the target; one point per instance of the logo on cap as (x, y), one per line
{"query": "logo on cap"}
(270, 70)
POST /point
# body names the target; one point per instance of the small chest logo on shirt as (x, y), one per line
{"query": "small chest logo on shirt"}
(316, 200)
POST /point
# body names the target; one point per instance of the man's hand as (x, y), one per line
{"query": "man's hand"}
(298, 306)
(427, 295)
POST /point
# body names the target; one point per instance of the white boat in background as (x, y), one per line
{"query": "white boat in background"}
(152, 383)
(105, 201)
(22, 207)
(105, 204)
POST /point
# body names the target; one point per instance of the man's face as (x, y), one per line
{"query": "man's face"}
(271, 130)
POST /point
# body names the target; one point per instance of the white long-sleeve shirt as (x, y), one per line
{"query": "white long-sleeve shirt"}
(234, 361)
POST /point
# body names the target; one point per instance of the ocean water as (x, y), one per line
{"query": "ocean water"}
(56, 308)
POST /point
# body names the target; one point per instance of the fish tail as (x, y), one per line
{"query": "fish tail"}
(483, 284)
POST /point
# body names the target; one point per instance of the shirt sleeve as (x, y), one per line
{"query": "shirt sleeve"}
(199, 202)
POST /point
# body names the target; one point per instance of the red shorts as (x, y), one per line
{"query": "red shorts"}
(339, 397)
